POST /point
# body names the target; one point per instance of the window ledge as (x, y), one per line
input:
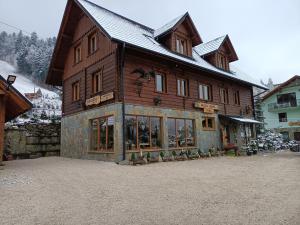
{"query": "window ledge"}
(101, 152)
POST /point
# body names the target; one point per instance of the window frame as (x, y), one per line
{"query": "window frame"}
(90, 37)
(150, 148)
(76, 91)
(186, 131)
(206, 128)
(209, 93)
(164, 83)
(98, 73)
(236, 97)
(223, 100)
(76, 59)
(281, 119)
(186, 94)
(183, 46)
(100, 150)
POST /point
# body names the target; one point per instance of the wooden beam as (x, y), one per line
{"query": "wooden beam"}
(2, 122)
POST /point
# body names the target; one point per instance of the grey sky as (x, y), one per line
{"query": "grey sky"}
(265, 34)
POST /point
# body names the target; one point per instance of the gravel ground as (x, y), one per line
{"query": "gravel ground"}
(225, 190)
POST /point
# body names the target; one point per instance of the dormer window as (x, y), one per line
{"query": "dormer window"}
(222, 62)
(180, 45)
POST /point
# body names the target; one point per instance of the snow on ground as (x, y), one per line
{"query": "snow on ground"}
(50, 102)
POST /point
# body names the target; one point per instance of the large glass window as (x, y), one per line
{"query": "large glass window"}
(142, 132)
(287, 99)
(180, 133)
(102, 134)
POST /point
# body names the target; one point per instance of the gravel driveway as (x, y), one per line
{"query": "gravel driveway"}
(225, 190)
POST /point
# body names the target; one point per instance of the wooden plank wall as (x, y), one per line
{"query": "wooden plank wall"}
(170, 99)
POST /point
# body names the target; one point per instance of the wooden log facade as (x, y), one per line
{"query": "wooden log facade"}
(114, 90)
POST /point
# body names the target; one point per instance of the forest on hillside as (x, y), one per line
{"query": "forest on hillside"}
(29, 53)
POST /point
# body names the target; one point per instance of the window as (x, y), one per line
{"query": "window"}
(205, 92)
(180, 45)
(160, 83)
(223, 62)
(142, 132)
(182, 87)
(282, 117)
(77, 54)
(236, 97)
(208, 123)
(224, 95)
(97, 81)
(75, 91)
(288, 99)
(92, 43)
(102, 137)
(180, 133)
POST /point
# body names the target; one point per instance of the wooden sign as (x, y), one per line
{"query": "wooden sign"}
(207, 108)
(93, 101)
(107, 97)
(297, 123)
(98, 99)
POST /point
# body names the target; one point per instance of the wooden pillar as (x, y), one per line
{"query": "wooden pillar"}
(2, 122)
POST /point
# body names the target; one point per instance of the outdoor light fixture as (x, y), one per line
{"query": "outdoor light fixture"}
(10, 80)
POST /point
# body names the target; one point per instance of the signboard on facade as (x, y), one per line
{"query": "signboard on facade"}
(98, 99)
(297, 123)
(207, 108)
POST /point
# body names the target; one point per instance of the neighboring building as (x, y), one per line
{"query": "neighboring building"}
(281, 109)
(127, 87)
(12, 104)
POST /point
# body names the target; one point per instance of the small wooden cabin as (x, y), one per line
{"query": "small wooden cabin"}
(12, 104)
(129, 88)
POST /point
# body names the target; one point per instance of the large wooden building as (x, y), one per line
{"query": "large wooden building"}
(128, 87)
(12, 104)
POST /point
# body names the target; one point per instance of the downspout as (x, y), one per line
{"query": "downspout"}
(122, 92)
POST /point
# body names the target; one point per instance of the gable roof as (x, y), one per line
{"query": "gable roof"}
(214, 45)
(16, 103)
(281, 86)
(136, 35)
(173, 24)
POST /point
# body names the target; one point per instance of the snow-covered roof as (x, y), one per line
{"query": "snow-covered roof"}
(167, 26)
(121, 29)
(211, 46)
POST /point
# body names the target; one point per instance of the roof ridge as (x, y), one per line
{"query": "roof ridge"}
(123, 17)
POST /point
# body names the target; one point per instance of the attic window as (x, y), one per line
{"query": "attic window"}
(77, 54)
(180, 45)
(92, 43)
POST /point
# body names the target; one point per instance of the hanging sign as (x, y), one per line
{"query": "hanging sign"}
(297, 123)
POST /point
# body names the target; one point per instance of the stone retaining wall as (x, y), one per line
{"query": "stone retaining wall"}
(32, 140)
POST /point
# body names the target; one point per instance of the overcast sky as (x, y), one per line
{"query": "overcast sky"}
(265, 34)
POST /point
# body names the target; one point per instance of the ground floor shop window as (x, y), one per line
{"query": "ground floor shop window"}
(102, 138)
(180, 133)
(208, 123)
(142, 132)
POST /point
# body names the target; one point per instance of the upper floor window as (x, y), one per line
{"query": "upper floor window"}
(97, 81)
(160, 83)
(224, 95)
(282, 117)
(182, 87)
(205, 92)
(236, 97)
(223, 64)
(77, 54)
(180, 46)
(288, 99)
(75, 91)
(92, 43)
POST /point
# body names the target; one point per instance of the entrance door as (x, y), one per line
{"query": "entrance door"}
(225, 135)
